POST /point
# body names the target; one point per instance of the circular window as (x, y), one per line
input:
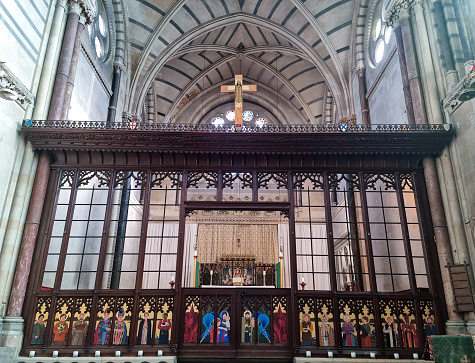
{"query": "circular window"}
(387, 35)
(98, 31)
(260, 122)
(380, 35)
(247, 116)
(377, 30)
(218, 121)
(379, 51)
(230, 115)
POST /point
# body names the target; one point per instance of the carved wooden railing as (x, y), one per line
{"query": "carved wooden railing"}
(175, 127)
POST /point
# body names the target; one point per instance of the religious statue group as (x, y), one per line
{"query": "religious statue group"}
(326, 332)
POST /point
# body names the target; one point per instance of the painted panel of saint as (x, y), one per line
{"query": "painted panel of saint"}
(365, 332)
(224, 326)
(120, 329)
(163, 328)
(39, 328)
(79, 328)
(60, 329)
(191, 324)
(306, 330)
(103, 332)
(208, 332)
(280, 324)
(348, 331)
(409, 332)
(144, 333)
(326, 332)
(247, 329)
(366, 323)
(390, 332)
(263, 324)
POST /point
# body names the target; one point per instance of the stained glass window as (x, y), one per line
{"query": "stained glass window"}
(230, 115)
(247, 116)
(261, 122)
(218, 121)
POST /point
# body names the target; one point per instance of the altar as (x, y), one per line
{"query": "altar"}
(237, 271)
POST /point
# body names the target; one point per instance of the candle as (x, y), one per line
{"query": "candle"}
(303, 280)
(264, 273)
(211, 272)
(173, 277)
(196, 253)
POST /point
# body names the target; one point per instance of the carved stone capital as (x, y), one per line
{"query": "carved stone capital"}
(119, 67)
(361, 71)
(127, 117)
(463, 91)
(12, 89)
(394, 12)
(83, 9)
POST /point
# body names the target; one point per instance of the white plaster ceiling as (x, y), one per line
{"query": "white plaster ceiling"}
(294, 50)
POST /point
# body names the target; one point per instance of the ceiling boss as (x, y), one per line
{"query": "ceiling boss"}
(238, 88)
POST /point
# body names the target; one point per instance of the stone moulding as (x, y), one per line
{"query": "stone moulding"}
(331, 139)
(11, 84)
(452, 102)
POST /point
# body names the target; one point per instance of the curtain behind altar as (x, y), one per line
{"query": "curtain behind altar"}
(191, 230)
(284, 242)
(259, 241)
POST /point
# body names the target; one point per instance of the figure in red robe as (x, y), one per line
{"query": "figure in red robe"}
(164, 325)
(409, 334)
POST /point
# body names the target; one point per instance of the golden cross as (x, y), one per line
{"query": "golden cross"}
(238, 88)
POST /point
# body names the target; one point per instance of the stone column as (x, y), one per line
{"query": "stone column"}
(54, 42)
(430, 172)
(115, 92)
(412, 68)
(30, 232)
(64, 65)
(451, 77)
(405, 79)
(72, 69)
(446, 175)
(365, 119)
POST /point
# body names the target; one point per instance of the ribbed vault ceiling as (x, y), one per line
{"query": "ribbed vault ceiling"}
(293, 50)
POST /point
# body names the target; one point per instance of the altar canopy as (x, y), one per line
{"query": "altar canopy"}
(257, 240)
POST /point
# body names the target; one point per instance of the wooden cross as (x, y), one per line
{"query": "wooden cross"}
(238, 88)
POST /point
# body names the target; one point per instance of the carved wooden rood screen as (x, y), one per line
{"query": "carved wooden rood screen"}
(349, 262)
